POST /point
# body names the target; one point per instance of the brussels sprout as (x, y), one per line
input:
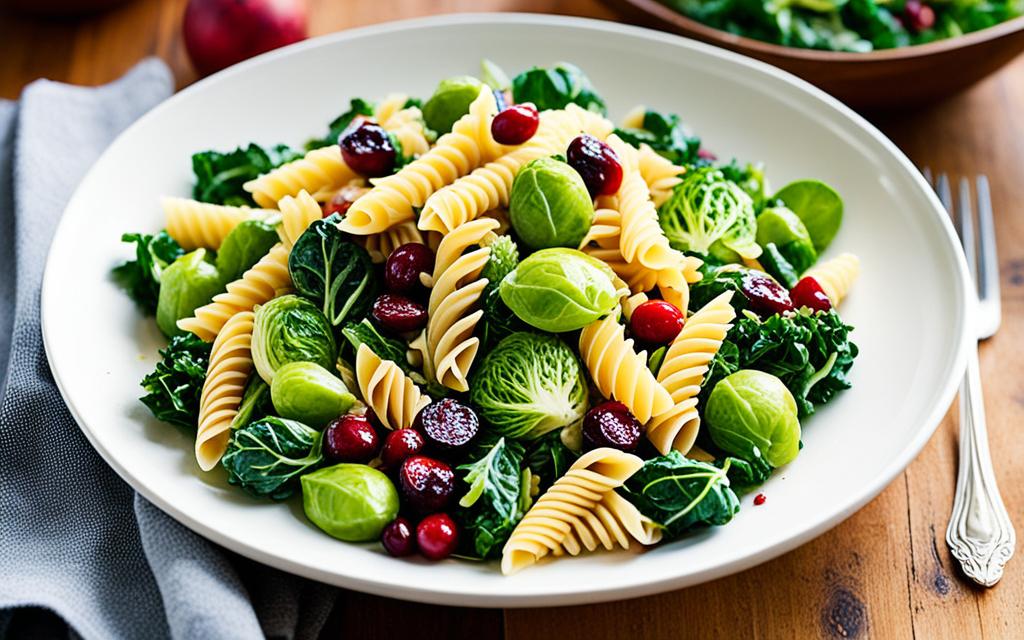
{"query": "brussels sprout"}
(307, 392)
(782, 227)
(290, 329)
(559, 290)
(450, 102)
(243, 247)
(752, 412)
(706, 207)
(189, 283)
(528, 386)
(549, 205)
(267, 456)
(350, 502)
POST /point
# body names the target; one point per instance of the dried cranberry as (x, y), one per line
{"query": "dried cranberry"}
(808, 293)
(516, 124)
(918, 16)
(367, 150)
(656, 322)
(706, 154)
(350, 438)
(437, 536)
(447, 424)
(427, 484)
(399, 445)
(610, 424)
(399, 314)
(597, 163)
(759, 499)
(342, 200)
(397, 537)
(766, 296)
(404, 266)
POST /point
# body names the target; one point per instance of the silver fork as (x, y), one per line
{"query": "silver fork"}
(980, 534)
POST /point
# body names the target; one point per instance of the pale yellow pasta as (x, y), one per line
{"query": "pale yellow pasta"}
(581, 511)
(659, 173)
(380, 245)
(195, 224)
(297, 213)
(682, 371)
(226, 376)
(392, 396)
(836, 276)
(635, 118)
(488, 187)
(392, 199)
(319, 170)
(266, 280)
(389, 107)
(453, 308)
(619, 372)
(405, 123)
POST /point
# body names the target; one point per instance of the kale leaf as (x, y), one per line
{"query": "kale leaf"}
(386, 348)
(175, 386)
(548, 458)
(141, 277)
(557, 87)
(745, 474)
(666, 134)
(490, 509)
(498, 320)
(681, 494)
(356, 107)
(220, 175)
(267, 457)
(716, 280)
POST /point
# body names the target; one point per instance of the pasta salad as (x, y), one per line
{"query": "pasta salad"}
(493, 324)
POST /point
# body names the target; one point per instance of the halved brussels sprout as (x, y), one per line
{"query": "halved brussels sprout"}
(290, 329)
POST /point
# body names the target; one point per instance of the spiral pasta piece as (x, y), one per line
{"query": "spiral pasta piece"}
(195, 224)
(394, 398)
(405, 123)
(635, 118)
(488, 187)
(263, 282)
(642, 239)
(297, 213)
(682, 371)
(581, 511)
(453, 307)
(659, 173)
(380, 245)
(226, 376)
(317, 171)
(836, 276)
(621, 373)
(392, 199)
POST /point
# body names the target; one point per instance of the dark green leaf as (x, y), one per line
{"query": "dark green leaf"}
(778, 267)
(243, 247)
(175, 386)
(498, 320)
(555, 88)
(356, 107)
(141, 277)
(548, 458)
(386, 348)
(666, 134)
(746, 475)
(267, 457)
(490, 508)
(220, 175)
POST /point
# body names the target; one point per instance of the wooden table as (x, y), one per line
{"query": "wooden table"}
(885, 572)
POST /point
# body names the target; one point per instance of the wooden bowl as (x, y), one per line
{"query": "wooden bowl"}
(885, 79)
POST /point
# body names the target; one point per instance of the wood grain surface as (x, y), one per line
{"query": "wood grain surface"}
(885, 572)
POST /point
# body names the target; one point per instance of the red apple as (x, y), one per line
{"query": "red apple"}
(219, 33)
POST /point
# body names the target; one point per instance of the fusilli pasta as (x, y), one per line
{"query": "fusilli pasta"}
(297, 213)
(836, 276)
(319, 170)
(405, 123)
(195, 224)
(659, 173)
(380, 245)
(226, 376)
(387, 391)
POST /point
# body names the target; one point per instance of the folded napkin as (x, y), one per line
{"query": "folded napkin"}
(75, 540)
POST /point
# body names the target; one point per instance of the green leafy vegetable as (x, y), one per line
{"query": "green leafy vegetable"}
(189, 283)
(309, 393)
(173, 389)
(490, 508)
(548, 458)
(141, 277)
(682, 494)
(350, 502)
(716, 280)
(290, 329)
(356, 107)
(751, 413)
(745, 475)
(333, 272)
(705, 208)
(498, 320)
(666, 134)
(243, 247)
(549, 205)
(450, 102)
(364, 332)
(818, 207)
(778, 267)
(266, 457)
(528, 385)
(782, 227)
(220, 176)
(256, 402)
(556, 88)
(750, 178)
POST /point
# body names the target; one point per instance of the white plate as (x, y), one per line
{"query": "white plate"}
(909, 307)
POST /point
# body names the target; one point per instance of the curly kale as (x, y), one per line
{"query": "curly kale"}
(356, 107)
(140, 277)
(220, 175)
(666, 134)
(174, 387)
(498, 320)
(493, 503)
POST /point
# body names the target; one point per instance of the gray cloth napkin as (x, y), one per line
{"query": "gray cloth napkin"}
(74, 538)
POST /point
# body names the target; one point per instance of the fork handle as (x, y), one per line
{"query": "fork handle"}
(980, 534)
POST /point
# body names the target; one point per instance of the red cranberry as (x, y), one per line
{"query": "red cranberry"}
(610, 424)
(342, 200)
(759, 499)
(656, 322)
(918, 16)
(597, 163)
(515, 125)
(706, 154)
(397, 538)
(399, 314)
(808, 293)
(399, 445)
(437, 536)
(367, 150)
(427, 484)
(404, 266)
(350, 438)
(447, 424)
(766, 296)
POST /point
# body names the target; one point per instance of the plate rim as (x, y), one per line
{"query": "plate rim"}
(438, 594)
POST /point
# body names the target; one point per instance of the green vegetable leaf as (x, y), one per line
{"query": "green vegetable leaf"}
(745, 474)
(498, 320)
(750, 178)
(778, 267)
(220, 175)
(494, 76)
(490, 508)
(557, 87)
(174, 387)
(666, 134)
(356, 107)
(386, 348)
(243, 247)
(141, 277)
(256, 402)
(266, 457)
(682, 494)
(548, 458)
